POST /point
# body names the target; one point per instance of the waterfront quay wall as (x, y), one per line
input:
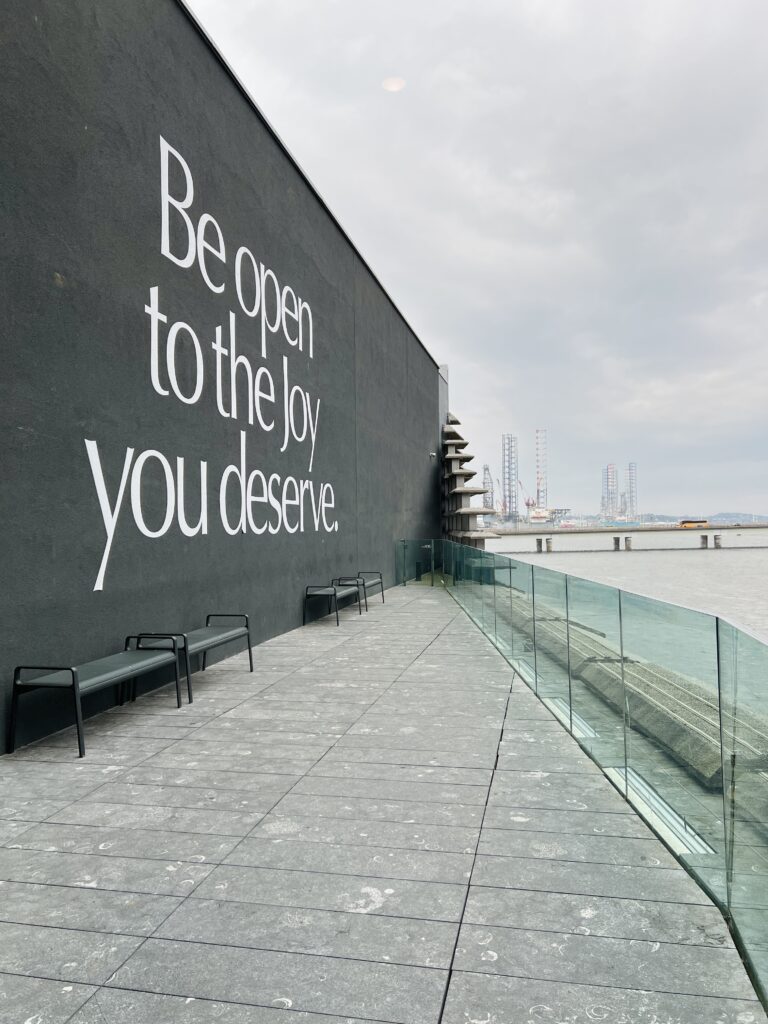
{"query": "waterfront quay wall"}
(208, 399)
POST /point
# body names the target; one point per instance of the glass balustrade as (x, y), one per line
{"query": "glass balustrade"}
(671, 703)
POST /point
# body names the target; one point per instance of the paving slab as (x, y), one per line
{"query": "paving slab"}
(11, 830)
(620, 963)
(381, 789)
(355, 894)
(354, 936)
(122, 874)
(62, 953)
(265, 784)
(383, 862)
(402, 773)
(589, 849)
(239, 759)
(430, 757)
(40, 1000)
(699, 925)
(108, 841)
(115, 1006)
(93, 910)
(148, 816)
(500, 1000)
(399, 835)
(191, 797)
(515, 760)
(543, 819)
(382, 992)
(623, 882)
(367, 809)
(562, 792)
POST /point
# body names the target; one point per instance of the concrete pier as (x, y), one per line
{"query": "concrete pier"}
(382, 823)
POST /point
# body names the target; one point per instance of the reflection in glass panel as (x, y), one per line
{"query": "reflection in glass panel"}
(488, 593)
(551, 624)
(744, 693)
(674, 771)
(597, 683)
(514, 615)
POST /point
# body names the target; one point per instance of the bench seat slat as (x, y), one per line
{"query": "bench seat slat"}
(341, 591)
(204, 638)
(209, 636)
(113, 669)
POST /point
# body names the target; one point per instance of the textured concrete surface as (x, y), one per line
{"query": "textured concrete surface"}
(382, 823)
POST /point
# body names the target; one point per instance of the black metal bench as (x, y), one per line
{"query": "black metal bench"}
(114, 670)
(362, 581)
(204, 639)
(332, 593)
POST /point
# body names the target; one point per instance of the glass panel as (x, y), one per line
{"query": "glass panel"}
(744, 689)
(674, 773)
(488, 593)
(551, 624)
(473, 575)
(448, 555)
(414, 561)
(514, 615)
(439, 557)
(597, 684)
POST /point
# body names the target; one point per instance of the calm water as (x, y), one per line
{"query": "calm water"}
(668, 565)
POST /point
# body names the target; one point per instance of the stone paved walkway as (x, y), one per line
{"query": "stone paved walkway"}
(380, 824)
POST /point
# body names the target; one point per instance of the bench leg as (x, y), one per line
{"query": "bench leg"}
(359, 605)
(336, 606)
(78, 720)
(119, 693)
(14, 717)
(189, 674)
(205, 660)
(177, 680)
(382, 593)
(304, 612)
(365, 596)
(250, 652)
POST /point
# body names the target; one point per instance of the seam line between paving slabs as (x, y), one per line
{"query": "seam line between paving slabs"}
(207, 999)
(618, 988)
(477, 847)
(187, 896)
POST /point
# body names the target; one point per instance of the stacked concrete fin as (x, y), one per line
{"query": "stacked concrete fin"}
(459, 517)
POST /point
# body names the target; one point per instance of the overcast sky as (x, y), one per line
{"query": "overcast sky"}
(567, 200)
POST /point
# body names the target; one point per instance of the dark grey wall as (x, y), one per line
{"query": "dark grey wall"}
(88, 88)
